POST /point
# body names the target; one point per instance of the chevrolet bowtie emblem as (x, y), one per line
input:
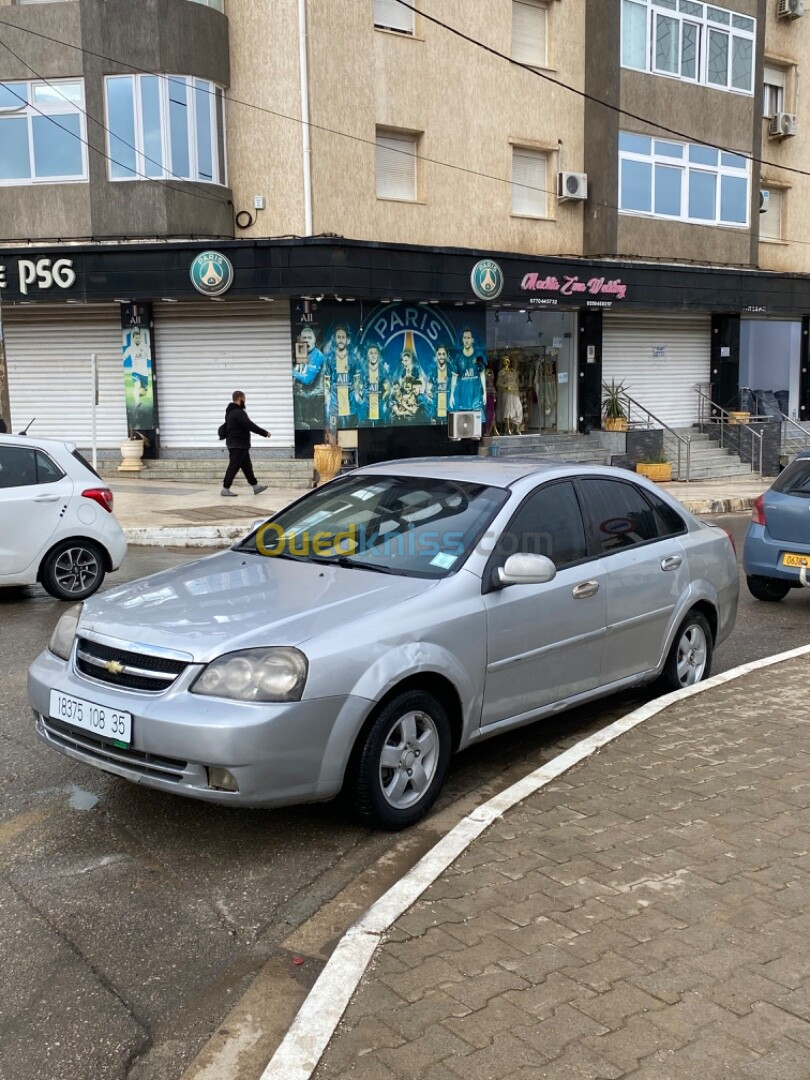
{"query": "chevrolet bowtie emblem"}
(114, 667)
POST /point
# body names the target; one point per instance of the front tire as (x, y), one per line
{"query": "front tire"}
(73, 570)
(402, 761)
(690, 658)
(771, 590)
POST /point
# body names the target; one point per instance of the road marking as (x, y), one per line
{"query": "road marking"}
(301, 1049)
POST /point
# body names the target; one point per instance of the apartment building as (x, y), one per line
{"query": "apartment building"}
(357, 209)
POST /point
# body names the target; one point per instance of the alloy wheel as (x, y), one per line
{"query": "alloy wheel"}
(409, 759)
(692, 655)
(76, 569)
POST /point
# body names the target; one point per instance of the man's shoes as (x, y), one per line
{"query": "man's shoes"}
(259, 488)
(227, 491)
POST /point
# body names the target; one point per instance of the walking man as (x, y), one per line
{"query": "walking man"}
(238, 427)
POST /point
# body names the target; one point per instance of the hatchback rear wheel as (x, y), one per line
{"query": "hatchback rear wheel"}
(771, 590)
(73, 570)
(690, 657)
(402, 761)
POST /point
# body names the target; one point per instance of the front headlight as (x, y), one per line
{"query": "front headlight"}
(274, 674)
(61, 642)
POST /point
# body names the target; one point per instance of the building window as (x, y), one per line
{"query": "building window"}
(530, 32)
(682, 39)
(770, 220)
(390, 15)
(529, 183)
(683, 181)
(42, 132)
(165, 126)
(773, 98)
(396, 166)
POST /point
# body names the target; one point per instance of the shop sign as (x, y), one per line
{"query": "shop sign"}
(41, 274)
(211, 273)
(573, 285)
(487, 279)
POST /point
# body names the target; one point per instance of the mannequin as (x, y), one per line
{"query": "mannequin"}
(510, 410)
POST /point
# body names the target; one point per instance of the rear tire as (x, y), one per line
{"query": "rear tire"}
(690, 656)
(770, 590)
(73, 570)
(402, 761)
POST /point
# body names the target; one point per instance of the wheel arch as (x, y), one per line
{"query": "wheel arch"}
(108, 566)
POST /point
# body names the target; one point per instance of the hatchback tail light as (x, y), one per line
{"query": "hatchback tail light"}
(758, 511)
(103, 496)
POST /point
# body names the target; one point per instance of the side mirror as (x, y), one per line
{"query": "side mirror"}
(523, 569)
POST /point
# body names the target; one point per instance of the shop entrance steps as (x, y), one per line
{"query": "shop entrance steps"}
(708, 459)
(793, 441)
(581, 449)
(293, 473)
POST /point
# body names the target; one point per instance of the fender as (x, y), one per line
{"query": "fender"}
(698, 592)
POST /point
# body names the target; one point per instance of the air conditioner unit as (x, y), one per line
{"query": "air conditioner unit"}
(782, 124)
(464, 425)
(764, 201)
(572, 185)
(789, 9)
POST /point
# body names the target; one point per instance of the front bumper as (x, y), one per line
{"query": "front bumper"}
(762, 555)
(278, 754)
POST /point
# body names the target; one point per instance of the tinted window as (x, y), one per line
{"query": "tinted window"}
(87, 465)
(620, 515)
(18, 467)
(795, 480)
(48, 472)
(670, 522)
(549, 523)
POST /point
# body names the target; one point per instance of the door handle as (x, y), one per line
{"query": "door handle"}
(47, 498)
(585, 589)
(672, 562)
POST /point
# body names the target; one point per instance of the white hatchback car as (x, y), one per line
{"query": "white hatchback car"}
(56, 519)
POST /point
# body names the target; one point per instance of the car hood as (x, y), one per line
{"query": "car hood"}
(234, 600)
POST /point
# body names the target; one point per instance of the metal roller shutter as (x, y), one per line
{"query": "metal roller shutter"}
(664, 384)
(205, 352)
(49, 373)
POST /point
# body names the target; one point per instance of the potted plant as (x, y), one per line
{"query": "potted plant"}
(655, 468)
(613, 410)
(132, 449)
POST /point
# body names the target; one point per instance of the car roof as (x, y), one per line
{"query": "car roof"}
(35, 441)
(484, 470)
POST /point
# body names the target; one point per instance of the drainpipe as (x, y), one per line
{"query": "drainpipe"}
(303, 66)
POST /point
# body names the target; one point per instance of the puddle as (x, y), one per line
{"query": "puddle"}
(81, 799)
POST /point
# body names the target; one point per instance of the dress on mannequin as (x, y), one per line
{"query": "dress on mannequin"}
(510, 410)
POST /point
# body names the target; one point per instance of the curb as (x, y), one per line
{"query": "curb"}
(191, 536)
(718, 506)
(299, 1053)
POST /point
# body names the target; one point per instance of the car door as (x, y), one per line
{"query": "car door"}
(647, 570)
(34, 492)
(544, 642)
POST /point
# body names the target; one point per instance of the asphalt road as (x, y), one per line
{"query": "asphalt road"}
(131, 921)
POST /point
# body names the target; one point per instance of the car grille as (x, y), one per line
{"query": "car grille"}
(101, 750)
(131, 670)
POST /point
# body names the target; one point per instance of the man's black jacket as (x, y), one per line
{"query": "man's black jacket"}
(238, 427)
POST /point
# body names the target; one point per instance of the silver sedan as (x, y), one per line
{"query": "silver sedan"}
(382, 622)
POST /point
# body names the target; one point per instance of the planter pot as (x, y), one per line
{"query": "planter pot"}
(132, 455)
(618, 423)
(328, 460)
(739, 417)
(659, 473)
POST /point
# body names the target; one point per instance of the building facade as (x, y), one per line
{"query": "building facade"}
(359, 210)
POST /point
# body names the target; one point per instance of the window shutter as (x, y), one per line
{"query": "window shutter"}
(770, 223)
(529, 183)
(396, 167)
(393, 16)
(774, 76)
(529, 32)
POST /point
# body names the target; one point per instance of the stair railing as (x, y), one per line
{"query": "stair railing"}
(709, 412)
(684, 441)
(805, 434)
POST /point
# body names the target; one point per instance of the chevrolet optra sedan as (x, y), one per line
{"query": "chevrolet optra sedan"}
(382, 622)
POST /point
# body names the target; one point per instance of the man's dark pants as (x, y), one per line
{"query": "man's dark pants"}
(239, 459)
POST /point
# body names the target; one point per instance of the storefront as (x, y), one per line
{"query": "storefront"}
(382, 341)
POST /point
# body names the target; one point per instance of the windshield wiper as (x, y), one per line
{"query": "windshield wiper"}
(352, 564)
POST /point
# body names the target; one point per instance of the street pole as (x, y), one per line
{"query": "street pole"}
(5, 404)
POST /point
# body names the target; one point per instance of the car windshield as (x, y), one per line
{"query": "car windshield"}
(795, 480)
(410, 525)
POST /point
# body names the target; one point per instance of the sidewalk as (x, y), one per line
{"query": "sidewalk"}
(195, 515)
(644, 915)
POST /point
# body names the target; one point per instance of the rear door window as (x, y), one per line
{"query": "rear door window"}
(48, 472)
(18, 467)
(619, 513)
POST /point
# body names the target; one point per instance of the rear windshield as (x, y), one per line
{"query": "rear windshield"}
(86, 463)
(795, 479)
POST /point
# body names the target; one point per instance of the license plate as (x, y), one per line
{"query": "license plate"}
(99, 719)
(789, 559)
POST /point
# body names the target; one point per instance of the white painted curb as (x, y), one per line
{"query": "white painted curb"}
(302, 1047)
(190, 536)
